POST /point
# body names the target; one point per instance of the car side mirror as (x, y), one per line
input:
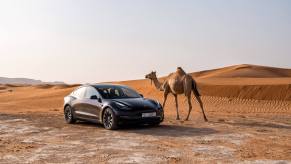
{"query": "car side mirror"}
(94, 97)
(141, 95)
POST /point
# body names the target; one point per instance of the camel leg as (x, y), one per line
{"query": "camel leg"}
(201, 106)
(177, 107)
(190, 107)
(165, 98)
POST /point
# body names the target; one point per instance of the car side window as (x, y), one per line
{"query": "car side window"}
(79, 93)
(90, 92)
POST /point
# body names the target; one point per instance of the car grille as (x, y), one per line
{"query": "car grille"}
(138, 112)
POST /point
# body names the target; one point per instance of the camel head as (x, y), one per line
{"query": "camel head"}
(151, 76)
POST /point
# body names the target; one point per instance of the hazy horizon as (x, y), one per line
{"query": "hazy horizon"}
(95, 41)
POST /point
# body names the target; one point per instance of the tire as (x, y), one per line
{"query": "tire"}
(155, 124)
(109, 119)
(69, 116)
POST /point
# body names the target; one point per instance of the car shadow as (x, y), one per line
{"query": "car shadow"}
(88, 124)
(168, 130)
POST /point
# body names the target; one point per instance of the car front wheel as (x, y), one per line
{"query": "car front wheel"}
(155, 124)
(109, 119)
(69, 117)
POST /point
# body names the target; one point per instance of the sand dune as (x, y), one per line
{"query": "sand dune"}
(245, 71)
(258, 92)
(65, 86)
(6, 80)
(246, 82)
(43, 86)
(3, 87)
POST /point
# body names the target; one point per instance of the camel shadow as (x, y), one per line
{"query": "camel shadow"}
(257, 124)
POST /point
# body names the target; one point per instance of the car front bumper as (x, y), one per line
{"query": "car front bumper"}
(125, 117)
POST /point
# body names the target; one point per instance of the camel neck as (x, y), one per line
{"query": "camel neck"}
(157, 83)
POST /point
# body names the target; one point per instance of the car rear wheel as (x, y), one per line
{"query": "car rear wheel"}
(109, 119)
(69, 117)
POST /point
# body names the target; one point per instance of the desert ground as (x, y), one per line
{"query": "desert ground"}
(249, 111)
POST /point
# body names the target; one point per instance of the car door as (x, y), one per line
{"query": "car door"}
(93, 105)
(78, 103)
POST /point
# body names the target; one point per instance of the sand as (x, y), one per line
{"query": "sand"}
(249, 110)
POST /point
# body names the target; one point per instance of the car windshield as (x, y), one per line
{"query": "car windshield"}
(117, 92)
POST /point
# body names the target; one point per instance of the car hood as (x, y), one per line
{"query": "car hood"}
(138, 103)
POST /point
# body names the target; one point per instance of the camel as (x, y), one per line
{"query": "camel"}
(178, 83)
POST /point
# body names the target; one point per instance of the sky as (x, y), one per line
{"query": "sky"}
(87, 41)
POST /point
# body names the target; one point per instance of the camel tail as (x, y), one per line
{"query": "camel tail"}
(197, 95)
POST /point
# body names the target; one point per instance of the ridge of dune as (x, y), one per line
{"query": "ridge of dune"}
(244, 71)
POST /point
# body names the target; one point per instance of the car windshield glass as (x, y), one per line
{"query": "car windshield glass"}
(117, 92)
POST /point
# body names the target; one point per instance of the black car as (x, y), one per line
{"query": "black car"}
(111, 105)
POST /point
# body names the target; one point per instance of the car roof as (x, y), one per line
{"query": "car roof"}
(104, 85)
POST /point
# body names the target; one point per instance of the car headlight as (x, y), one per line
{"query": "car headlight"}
(122, 106)
(158, 104)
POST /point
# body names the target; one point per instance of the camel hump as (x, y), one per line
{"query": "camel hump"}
(180, 71)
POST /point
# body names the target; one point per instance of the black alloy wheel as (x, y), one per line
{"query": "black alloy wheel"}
(109, 119)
